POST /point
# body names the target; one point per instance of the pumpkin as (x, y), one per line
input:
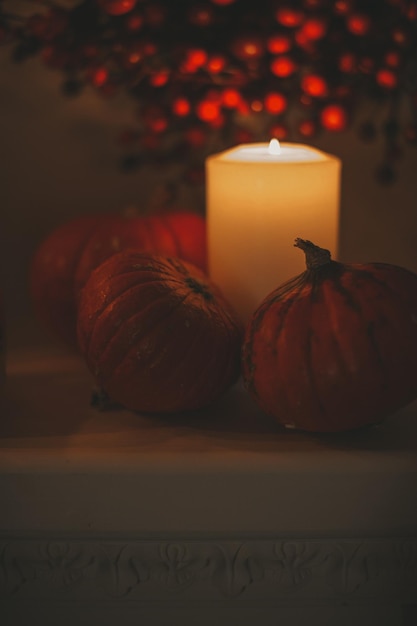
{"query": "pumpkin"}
(157, 334)
(334, 348)
(64, 260)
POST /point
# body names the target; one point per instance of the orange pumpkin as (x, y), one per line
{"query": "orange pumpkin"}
(335, 348)
(64, 260)
(157, 334)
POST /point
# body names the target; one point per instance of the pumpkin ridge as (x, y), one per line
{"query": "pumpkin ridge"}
(184, 355)
(369, 325)
(380, 266)
(403, 304)
(116, 335)
(345, 293)
(182, 360)
(284, 316)
(158, 268)
(259, 314)
(179, 266)
(93, 331)
(333, 354)
(310, 373)
(253, 329)
(106, 366)
(328, 319)
(156, 263)
(289, 302)
(161, 275)
(370, 333)
(288, 287)
(165, 274)
(335, 335)
(370, 328)
(98, 314)
(150, 329)
(284, 352)
(383, 284)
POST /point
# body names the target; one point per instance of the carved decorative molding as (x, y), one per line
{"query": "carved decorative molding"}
(144, 571)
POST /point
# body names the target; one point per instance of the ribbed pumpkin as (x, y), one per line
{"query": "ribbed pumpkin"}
(157, 335)
(64, 260)
(335, 348)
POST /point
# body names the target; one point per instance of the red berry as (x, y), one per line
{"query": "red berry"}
(117, 7)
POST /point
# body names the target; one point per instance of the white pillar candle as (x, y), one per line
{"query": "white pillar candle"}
(261, 197)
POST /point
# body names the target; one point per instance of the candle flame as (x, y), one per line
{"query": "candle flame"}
(274, 147)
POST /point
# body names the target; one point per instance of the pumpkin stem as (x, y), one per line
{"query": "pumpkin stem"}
(198, 287)
(315, 256)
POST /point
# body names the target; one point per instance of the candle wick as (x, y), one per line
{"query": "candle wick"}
(274, 147)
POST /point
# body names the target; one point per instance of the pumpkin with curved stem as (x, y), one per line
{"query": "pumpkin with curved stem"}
(156, 333)
(335, 348)
(65, 259)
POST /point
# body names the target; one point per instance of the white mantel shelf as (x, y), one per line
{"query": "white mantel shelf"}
(140, 516)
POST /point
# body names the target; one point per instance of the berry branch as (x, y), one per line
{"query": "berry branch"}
(209, 74)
